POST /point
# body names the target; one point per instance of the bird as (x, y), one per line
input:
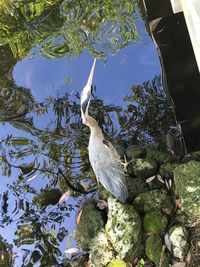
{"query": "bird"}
(103, 156)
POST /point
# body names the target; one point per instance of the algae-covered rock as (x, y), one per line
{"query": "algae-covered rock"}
(101, 251)
(89, 225)
(116, 263)
(155, 222)
(48, 197)
(160, 156)
(155, 251)
(134, 152)
(142, 168)
(153, 200)
(123, 229)
(135, 186)
(191, 156)
(187, 186)
(166, 170)
(178, 235)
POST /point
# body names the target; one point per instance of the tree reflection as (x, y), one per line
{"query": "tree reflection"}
(58, 155)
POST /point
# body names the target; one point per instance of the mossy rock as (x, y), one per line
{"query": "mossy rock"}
(166, 170)
(134, 152)
(123, 229)
(101, 251)
(187, 186)
(153, 200)
(178, 235)
(142, 168)
(160, 156)
(191, 156)
(154, 249)
(135, 186)
(155, 222)
(89, 225)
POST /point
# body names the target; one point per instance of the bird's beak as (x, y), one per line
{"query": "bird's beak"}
(90, 79)
(86, 94)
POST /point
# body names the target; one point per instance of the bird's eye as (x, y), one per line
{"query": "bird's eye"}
(105, 142)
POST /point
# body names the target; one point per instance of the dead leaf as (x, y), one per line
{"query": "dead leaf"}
(150, 179)
(78, 218)
(179, 264)
(64, 197)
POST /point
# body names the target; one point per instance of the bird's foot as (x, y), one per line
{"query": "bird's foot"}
(126, 163)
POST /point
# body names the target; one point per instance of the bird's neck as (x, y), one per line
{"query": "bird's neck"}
(95, 130)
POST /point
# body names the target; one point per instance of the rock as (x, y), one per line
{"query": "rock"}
(134, 152)
(155, 222)
(187, 186)
(191, 156)
(179, 238)
(166, 170)
(135, 186)
(155, 251)
(153, 200)
(90, 224)
(123, 229)
(101, 251)
(160, 156)
(117, 263)
(142, 168)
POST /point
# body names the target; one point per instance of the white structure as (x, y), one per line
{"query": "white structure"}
(191, 10)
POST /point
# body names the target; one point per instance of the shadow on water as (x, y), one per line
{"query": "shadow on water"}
(54, 159)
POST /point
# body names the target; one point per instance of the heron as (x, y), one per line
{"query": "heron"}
(105, 160)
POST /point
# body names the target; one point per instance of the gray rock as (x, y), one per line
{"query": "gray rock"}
(178, 235)
(187, 186)
(123, 229)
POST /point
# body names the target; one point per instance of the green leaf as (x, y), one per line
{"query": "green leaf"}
(117, 263)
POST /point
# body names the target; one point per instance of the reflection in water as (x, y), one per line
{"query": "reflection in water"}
(54, 158)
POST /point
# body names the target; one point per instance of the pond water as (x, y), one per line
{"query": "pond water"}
(47, 49)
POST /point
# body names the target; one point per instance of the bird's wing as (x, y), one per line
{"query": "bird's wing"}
(109, 171)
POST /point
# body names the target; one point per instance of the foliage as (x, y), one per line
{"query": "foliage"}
(67, 27)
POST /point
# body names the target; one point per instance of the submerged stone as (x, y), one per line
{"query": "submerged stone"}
(142, 168)
(101, 251)
(192, 156)
(166, 170)
(90, 223)
(155, 222)
(134, 152)
(153, 200)
(178, 235)
(160, 156)
(123, 229)
(154, 249)
(187, 186)
(135, 186)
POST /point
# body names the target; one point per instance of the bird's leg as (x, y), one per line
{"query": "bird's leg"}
(126, 163)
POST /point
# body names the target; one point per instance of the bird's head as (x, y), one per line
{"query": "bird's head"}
(86, 95)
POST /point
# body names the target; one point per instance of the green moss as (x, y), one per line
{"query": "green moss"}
(153, 200)
(142, 168)
(160, 156)
(166, 170)
(155, 251)
(90, 224)
(134, 152)
(187, 186)
(155, 222)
